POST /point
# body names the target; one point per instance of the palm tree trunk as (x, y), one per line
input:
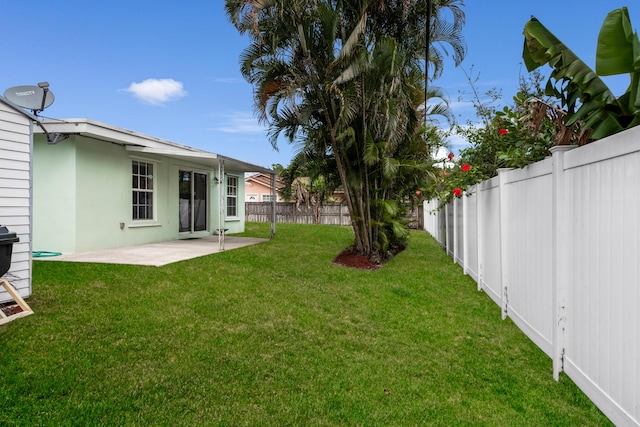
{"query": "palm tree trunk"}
(340, 162)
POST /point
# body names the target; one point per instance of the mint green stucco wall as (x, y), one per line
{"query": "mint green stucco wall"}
(54, 196)
(82, 193)
(236, 225)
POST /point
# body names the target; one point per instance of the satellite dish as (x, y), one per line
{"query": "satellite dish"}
(35, 98)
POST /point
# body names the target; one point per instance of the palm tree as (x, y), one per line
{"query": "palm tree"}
(446, 34)
(346, 77)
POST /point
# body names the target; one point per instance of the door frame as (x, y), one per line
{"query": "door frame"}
(195, 233)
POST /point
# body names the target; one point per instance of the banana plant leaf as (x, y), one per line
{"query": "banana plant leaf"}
(541, 47)
(618, 52)
(585, 95)
(617, 49)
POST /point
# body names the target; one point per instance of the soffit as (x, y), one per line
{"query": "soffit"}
(141, 143)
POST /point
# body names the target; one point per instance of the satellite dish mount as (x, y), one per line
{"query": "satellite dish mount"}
(45, 91)
(36, 99)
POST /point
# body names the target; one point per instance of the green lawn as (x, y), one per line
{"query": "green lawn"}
(276, 335)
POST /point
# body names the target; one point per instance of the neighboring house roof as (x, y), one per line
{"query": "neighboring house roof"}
(338, 193)
(264, 179)
(140, 143)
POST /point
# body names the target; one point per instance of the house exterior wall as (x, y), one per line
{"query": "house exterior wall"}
(15, 194)
(54, 196)
(256, 190)
(83, 192)
(234, 224)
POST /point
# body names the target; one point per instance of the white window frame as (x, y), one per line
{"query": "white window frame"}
(232, 194)
(268, 198)
(138, 189)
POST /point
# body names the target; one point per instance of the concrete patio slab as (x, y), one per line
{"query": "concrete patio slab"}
(159, 254)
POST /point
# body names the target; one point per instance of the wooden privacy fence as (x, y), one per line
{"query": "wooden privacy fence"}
(556, 245)
(331, 214)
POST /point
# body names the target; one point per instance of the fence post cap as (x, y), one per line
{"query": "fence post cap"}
(502, 170)
(561, 148)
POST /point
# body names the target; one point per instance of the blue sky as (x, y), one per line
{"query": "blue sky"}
(493, 33)
(170, 69)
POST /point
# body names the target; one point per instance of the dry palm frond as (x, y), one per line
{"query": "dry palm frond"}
(539, 112)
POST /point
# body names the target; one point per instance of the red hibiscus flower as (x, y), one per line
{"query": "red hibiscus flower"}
(466, 167)
(503, 131)
(457, 192)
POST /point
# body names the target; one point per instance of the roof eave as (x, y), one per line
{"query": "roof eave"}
(139, 142)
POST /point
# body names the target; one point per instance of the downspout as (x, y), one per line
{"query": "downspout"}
(221, 211)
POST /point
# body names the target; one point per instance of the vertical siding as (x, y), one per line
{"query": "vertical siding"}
(489, 248)
(602, 322)
(431, 218)
(450, 230)
(471, 234)
(15, 194)
(458, 212)
(434, 221)
(529, 278)
(441, 230)
(558, 248)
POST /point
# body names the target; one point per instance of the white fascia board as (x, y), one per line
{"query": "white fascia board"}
(241, 166)
(105, 132)
(172, 152)
(200, 157)
(141, 143)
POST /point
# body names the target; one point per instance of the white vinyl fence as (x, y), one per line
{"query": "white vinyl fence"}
(557, 246)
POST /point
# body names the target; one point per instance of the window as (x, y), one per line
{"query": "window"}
(142, 174)
(268, 198)
(232, 196)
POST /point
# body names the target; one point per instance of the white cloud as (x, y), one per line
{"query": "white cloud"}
(457, 143)
(157, 91)
(227, 80)
(239, 122)
(461, 105)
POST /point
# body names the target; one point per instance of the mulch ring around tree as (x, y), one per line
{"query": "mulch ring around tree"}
(349, 258)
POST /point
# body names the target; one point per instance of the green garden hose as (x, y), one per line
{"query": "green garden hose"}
(42, 254)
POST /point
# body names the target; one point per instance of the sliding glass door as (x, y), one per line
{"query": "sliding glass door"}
(194, 190)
